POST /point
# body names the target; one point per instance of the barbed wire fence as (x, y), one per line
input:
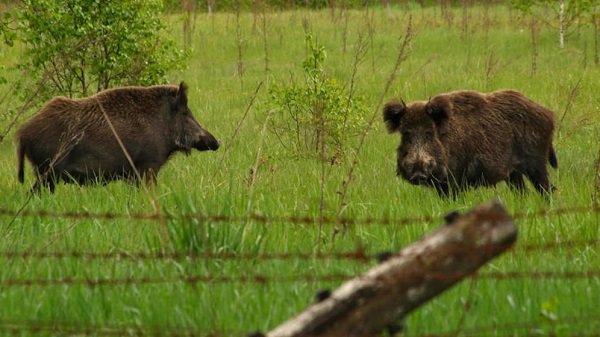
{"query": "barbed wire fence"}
(359, 255)
(292, 219)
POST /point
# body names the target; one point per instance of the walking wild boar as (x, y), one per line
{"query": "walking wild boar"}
(467, 139)
(74, 139)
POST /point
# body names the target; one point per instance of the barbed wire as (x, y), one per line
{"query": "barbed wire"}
(358, 254)
(515, 326)
(549, 275)
(63, 328)
(264, 279)
(542, 213)
(84, 331)
(191, 279)
(265, 219)
(531, 334)
(17, 327)
(556, 245)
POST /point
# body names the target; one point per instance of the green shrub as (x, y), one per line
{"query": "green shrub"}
(316, 117)
(84, 46)
(7, 34)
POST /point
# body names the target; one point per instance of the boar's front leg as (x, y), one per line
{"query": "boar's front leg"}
(539, 177)
(442, 189)
(150, 177)
(515, 182)
(149, 173)
(447, 190)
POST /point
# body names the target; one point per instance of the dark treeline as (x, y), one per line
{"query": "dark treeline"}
(231, 5)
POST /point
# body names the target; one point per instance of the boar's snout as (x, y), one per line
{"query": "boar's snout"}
(206, 141)
(418, 178)
(419, 171)
(201, 139)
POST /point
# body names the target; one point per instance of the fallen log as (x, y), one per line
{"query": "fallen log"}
(366, 305)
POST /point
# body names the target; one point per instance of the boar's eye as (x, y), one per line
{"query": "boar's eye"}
(406, 135)
(428, 135)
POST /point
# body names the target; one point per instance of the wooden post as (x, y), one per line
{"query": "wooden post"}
(367, 304)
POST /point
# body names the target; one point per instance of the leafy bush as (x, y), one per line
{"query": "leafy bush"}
(84, 46)
(8, 36)
(316, 116)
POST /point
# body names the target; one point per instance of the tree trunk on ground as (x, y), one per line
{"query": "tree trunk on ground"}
(366, 305)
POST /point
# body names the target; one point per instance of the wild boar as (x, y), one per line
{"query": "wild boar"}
(74, 139)
(467, 139)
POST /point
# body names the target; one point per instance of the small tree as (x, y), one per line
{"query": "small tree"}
(84, 46)
(316, 116)
(568, 14)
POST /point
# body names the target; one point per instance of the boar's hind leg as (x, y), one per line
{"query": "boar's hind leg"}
(44, 181)
(46, 177)
(515, 182)
(539, 177)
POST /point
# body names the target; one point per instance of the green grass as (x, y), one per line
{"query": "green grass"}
(441, 59)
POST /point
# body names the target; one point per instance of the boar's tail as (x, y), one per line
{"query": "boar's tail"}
(21, 156)
(552, 158)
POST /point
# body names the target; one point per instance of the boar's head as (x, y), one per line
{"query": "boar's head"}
(422, 155)
(185, 128)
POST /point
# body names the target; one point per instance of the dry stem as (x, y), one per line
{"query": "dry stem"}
(402, 55)
(572, 96)
(237, 129)
(149, 192)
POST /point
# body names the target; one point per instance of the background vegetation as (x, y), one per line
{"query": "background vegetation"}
(77, 48)
(480, 46)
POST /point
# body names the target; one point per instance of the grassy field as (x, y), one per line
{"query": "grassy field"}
(486, 56)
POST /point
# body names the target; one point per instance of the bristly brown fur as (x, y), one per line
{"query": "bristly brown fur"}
(466, 139)
(70, 139)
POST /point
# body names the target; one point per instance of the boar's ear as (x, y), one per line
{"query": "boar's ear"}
(392, 114)
(439, 108)
(181, 98)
